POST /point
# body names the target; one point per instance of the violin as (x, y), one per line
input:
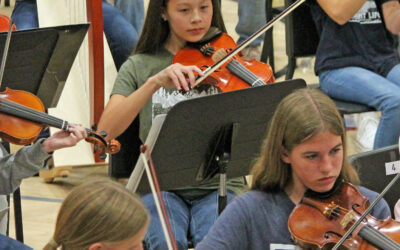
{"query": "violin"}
(232, 75)
(320, 222)
(5, 22)
(22, 117)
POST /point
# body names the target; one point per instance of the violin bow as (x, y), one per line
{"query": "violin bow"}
(5, 53)
(246, 42)
(156, 191)
(367, 211)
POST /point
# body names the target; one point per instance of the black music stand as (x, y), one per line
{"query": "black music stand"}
(214, 134)
(39, 60)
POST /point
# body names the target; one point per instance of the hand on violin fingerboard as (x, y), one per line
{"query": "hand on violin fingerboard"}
(64, 139)
(177, 76)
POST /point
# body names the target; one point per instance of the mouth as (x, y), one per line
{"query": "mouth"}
(327, 180)
(196, 31)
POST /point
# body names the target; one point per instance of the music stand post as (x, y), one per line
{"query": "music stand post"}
(202, 137)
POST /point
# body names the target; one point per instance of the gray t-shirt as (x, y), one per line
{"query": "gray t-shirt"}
(258, 220)
(135, 72)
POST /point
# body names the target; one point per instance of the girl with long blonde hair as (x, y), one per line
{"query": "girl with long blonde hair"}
(304, 150)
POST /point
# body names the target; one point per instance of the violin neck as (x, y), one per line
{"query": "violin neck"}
(14, 109)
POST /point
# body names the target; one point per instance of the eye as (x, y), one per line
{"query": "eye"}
(311, 156)
(204, 7)
(336, 150)
(184, 10)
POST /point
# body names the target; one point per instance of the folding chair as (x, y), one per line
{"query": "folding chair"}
(371, 168)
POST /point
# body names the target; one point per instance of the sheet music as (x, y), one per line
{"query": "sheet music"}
(138, 171)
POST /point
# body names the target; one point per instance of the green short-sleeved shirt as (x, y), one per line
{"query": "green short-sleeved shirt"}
(132, 75)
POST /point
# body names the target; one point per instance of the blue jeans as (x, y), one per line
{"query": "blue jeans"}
(251, 18)
(25, 15)
(7, 243)
(191, 219)
(121, 35)
(133, 11)
(366, 87)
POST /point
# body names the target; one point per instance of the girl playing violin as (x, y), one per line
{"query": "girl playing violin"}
(304, 149)
(149, 84)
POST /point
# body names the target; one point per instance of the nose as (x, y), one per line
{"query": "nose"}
(326, 164)
(196, 16)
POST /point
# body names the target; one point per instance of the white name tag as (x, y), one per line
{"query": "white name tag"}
(273, 246)
(392, 167)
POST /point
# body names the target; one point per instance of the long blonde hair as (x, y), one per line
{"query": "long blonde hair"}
(299, 116)
(99, 211)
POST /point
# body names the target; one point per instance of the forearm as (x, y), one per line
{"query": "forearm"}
(391, 14)
(121, 111)
(341, 11)
(24, 163)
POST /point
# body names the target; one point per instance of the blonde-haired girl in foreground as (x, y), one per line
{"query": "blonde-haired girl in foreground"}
(100, 215)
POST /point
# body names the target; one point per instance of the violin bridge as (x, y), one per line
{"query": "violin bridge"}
(219, 55)
(349, 217)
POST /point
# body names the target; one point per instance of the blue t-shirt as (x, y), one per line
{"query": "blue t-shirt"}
(258, 220)
(363, 41)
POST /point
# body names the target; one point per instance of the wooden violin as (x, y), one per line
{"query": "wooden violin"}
(22, 118)
(319, 223)
(235, 74)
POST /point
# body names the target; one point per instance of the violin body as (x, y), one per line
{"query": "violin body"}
(22, 118)
(321, 223)
(16, 130)
(5, 23)
(223, 78)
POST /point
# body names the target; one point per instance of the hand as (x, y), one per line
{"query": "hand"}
(178, 76)
(64, 139)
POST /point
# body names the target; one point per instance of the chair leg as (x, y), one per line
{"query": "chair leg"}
(18, 215)
(267, 54)
(290, 68)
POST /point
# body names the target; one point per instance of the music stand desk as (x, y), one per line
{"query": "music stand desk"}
(195, 131)
(39, 60)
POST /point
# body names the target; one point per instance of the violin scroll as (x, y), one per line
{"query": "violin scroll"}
(100, 146)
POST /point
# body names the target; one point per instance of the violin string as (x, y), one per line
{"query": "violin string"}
(33, 116)
(239, 68)
(255, 81)
(28, 112)
(380, 236)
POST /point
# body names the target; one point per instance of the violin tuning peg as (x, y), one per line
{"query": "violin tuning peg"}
(103, 133)
(94, 127)
(95, 148)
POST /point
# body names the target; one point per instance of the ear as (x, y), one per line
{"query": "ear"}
(96, 246)
(285, 156)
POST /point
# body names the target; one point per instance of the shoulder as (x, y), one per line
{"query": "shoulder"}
(257, 200)
(381, 210)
